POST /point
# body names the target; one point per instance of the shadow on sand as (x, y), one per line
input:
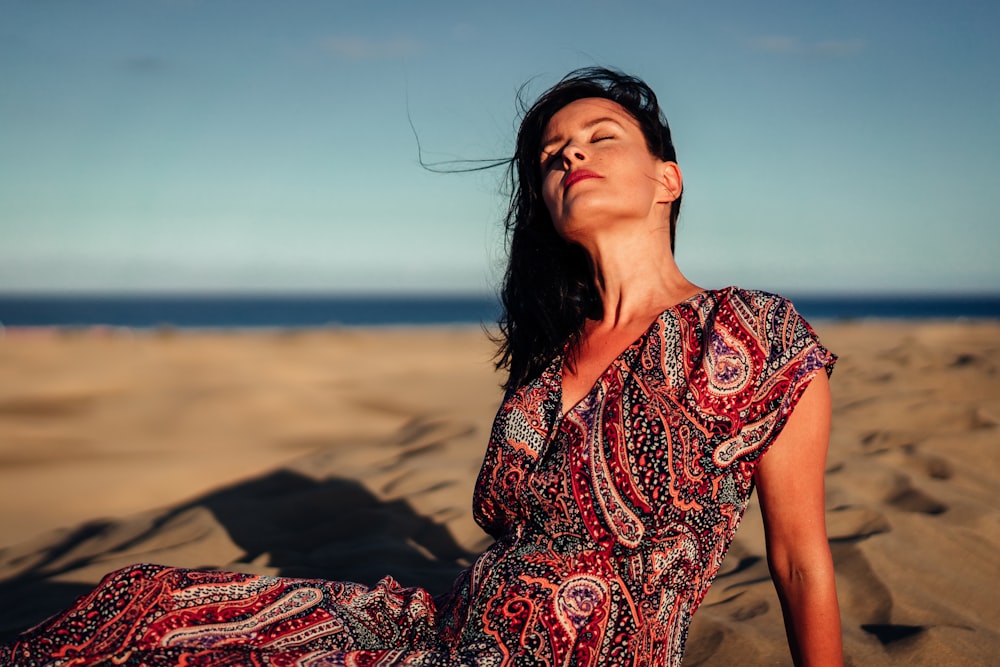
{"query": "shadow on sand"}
(283, 521)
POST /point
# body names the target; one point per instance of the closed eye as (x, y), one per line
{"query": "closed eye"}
(547, 162)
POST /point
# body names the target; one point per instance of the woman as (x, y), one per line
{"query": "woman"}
(640, 412)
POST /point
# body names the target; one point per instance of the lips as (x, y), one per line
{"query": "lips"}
(578, 175)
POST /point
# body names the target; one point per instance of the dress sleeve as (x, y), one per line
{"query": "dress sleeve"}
(796, 356)
(761, 358)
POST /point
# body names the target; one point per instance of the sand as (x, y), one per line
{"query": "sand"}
(349, 454)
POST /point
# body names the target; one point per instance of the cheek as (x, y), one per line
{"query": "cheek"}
(550, 190)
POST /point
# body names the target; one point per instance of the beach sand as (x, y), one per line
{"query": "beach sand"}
(350, 454)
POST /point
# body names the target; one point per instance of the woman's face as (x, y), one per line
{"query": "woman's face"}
(597, 169)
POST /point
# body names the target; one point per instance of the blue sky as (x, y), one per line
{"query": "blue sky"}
(220, 145)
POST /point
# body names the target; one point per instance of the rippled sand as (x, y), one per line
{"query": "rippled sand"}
(350, 454)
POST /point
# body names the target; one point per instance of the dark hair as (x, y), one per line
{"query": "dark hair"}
(548, 289)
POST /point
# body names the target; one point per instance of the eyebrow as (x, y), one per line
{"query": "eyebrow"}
(589, 124)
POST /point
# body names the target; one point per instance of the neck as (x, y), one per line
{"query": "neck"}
(636, 277)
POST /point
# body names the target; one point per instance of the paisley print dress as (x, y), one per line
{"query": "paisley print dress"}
(610, 520)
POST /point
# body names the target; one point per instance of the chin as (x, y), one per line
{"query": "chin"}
(579, 226)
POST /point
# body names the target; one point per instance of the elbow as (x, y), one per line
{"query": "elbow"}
(795, 570)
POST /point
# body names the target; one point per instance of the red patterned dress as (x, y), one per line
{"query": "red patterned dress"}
(610, 523)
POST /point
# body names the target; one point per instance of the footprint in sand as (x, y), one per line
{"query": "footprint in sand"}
(851, 524)
(963, 359)
(860, 588)
(877, 442)
(903, 496)
(980, 419)
(749, 607)
(883, 442)
(937, 467)
(47, 406)
(888, 633)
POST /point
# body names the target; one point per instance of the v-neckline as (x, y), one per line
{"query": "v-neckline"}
(563, 410)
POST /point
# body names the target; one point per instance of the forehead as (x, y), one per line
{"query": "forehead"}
(583, 111)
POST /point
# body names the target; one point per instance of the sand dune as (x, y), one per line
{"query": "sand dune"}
(352, 454)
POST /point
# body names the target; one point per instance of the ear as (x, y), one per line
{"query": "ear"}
(671, 181)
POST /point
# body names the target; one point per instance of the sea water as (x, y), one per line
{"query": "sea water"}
(309, 311)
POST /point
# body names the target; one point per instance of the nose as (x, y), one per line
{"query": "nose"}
(571, 153)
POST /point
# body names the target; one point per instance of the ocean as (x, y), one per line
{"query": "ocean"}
(298, 311)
